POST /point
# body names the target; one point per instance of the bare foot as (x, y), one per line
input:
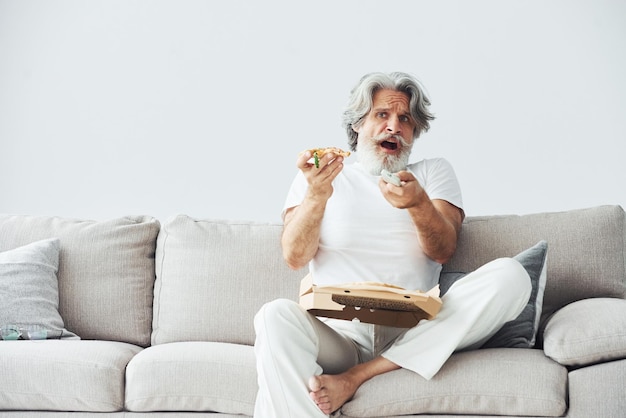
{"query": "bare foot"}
(330, 392)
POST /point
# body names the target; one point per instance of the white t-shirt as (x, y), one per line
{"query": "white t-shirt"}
(364, 238)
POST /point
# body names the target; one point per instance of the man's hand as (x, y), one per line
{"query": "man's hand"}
(409, 194)
(438, 222)
(301, 232)
(320, 179)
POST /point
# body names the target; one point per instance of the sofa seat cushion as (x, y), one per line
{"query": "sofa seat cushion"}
(64, 375)
(587, 332)
(598, 391)
(497, 381)
(193, 376)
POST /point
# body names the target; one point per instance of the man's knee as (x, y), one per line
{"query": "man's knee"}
(503, 276)
(276, 312)
(510, 277)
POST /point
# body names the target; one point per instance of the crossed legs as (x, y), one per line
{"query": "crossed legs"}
(308, 369)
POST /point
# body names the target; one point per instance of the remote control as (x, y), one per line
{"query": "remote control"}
(391, 178)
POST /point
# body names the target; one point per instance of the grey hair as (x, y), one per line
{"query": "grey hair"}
(361, 99)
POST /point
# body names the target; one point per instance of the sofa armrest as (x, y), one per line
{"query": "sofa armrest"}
(587, 332)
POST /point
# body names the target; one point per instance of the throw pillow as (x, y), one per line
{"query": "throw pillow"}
(29, 295)
(588, 331)
(522, 331)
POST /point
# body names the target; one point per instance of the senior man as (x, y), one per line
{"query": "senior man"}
(349, 225)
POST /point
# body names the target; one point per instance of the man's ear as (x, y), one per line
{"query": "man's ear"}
(356, 128)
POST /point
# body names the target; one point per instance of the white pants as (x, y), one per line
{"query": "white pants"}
(293, 345)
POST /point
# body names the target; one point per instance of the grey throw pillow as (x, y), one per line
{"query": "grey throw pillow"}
(522, 331)
(29, 294)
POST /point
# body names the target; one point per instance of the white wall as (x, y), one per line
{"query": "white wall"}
(160, 107)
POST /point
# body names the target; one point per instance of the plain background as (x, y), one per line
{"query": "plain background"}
(159, 107)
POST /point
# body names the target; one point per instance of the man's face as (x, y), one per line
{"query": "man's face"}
(385, 136)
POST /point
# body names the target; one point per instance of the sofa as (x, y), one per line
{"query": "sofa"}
(151, 318)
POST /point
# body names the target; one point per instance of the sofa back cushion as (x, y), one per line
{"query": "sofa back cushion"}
(213, 276)
(106, 272)
(586, 250)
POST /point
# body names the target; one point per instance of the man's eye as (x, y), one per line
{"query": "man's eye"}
(382, 114)
(405, 119)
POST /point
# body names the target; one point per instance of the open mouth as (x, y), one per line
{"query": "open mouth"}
(389, 145)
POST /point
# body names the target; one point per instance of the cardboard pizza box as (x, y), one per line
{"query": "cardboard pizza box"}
(371, 303)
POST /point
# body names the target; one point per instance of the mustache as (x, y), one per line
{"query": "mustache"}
(385, 137)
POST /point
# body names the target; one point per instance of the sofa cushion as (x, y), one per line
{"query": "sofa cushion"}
(106, 272)
(64, 375)
(193, 376)
(587, 250)
(29, 290)
(471, 383)
(587, 332)
(213, 276)
(598, 391)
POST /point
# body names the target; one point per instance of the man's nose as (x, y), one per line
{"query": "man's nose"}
(393, 125)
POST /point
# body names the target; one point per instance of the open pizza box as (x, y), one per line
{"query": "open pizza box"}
(374, 303)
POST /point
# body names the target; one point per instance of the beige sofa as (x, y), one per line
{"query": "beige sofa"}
(164, 315)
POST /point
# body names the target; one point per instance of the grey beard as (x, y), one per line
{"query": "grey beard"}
(374, 163)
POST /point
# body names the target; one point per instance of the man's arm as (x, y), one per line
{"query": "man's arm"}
(301, 231)
(438, 222)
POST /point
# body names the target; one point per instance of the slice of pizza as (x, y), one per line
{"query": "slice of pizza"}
(318, 153)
